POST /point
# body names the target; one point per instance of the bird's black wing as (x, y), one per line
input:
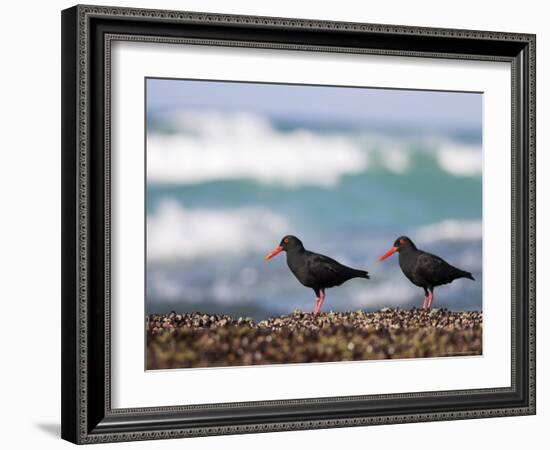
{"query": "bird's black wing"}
(434, 269)
(328, 270)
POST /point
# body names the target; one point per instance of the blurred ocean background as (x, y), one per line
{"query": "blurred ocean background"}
(233, 167)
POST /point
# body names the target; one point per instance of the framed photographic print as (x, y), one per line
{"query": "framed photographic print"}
(261, 214)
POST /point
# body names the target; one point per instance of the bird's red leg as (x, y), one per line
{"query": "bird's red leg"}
(430, 300)
(425, 304)
(317, 305)
(321, 300)
(318, 302)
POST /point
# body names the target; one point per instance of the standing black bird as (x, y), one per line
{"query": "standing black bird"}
(315, 271)
(424, 269)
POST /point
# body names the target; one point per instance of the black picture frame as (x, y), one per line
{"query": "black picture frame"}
(87, 416)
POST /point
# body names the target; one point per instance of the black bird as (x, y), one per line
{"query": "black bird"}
(315, 271)
(423, 268)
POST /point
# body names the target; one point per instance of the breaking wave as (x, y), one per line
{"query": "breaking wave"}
(176, 232)
(460, 160)
(450, 230)
(204, 146)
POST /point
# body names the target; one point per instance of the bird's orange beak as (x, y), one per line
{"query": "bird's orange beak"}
(273, 253)
(390, 252)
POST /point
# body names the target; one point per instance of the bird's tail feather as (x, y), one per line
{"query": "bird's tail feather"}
(363, 274)
(468, 275)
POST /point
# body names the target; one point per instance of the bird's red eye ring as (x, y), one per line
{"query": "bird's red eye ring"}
(401, 241)
(286, 241)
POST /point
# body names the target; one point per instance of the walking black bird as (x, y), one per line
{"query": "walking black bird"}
(315, 271)
(423, 268)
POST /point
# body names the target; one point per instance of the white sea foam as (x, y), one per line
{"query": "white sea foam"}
(390, 293)
(395, 159)
(460, 160)
(218, 146)
(225, 288)
(176, 232)
(450, 230)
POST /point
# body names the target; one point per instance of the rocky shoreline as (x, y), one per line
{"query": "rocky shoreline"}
(211, 340)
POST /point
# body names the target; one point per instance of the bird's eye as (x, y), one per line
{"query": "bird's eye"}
(401, 241)
(286, 241)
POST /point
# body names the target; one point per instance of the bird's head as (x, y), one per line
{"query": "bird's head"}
(288, 243)
(400, 244)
